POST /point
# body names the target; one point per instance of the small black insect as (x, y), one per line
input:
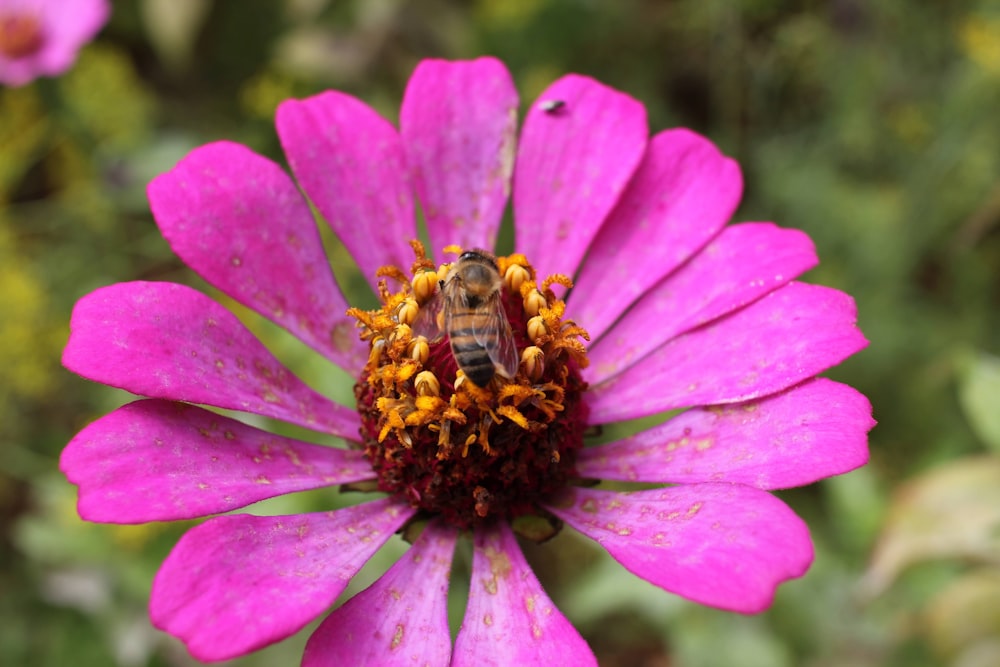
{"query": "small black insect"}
(552, 107)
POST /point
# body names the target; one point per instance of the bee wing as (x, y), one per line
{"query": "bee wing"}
(496, 338)
(429, 322)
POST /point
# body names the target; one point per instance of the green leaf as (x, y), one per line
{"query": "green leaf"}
(966, 614)
(979, 394)
(951, 512)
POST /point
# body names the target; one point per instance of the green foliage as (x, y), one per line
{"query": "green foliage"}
(979, 392)
(872, 126)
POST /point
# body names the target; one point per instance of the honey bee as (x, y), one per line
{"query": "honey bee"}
(470, 301)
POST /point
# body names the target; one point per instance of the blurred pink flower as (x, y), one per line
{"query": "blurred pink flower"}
(683, 312)
(42, 37)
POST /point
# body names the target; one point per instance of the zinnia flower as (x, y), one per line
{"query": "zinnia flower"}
(42, 37)
(670, 309)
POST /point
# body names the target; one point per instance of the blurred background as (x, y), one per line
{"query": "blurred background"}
(872, 126)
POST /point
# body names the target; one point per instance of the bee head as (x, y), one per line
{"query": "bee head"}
(479, 257)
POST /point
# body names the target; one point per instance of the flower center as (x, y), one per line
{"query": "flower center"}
(471, 400)
(20, 35)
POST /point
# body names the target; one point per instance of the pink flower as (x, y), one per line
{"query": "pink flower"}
(41, 37)
(682, 311)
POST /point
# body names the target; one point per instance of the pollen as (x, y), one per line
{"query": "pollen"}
(455, 442)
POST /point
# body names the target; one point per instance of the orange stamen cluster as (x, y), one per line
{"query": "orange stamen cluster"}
(470, 453)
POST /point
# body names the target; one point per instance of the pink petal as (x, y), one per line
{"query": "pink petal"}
(509, 619)
(350, 162)
(69, 20)
(814, 430)
(723, 545)
(791, 334)
(683, 193)
(169, 341)
(237, 583)
(401, 619)
(739, 266)
(572, 166)
(238, 220)
(66, 26)
(155, 460)
(459, 127)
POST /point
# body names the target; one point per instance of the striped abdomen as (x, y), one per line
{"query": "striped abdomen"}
(471, 356)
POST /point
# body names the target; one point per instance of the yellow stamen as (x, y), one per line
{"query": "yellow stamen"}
(401, 334)
(515, 276)
(407, 311)
(421, 263)
(404, 371)
(514, 415)
(534, 302)
(429, 403)
(536, 329)
(419, 349)
(533, 362)
(423, 285)
(393, 272)
(555, 279)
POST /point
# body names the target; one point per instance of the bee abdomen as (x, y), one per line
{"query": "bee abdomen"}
(473, 359)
